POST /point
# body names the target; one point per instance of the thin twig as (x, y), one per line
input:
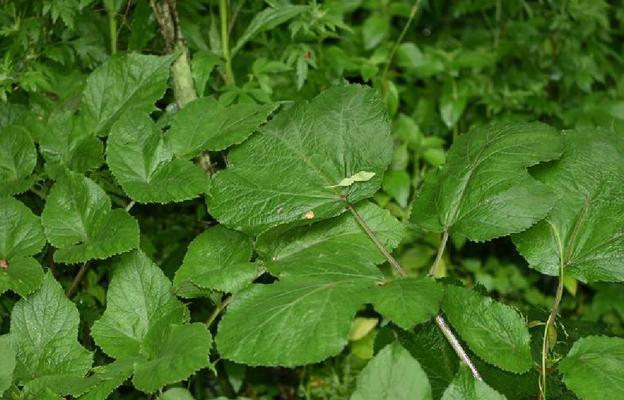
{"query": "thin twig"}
(434, 267)
(220, 307)
(130, 205)
(446, 331)
(396, 45)
(77, 279)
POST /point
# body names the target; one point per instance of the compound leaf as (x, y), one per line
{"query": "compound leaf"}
(206, 124)
(585, 229)
(44, 329)
(393, 374)
(285, 173)
(217, 259)
(21, 236)
(77, 219)
(338, 238)
(125, 83)
(484, 190)
(139, 298)
(466, 387)
(18, 157)
(593, 368)
(494, 331)
(145, 166)
(408, 301)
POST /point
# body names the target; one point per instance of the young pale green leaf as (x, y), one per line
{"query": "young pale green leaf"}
(300, 320)
(281, 175)
(466, 387)
(341, 238)
(206, 124)
(44, 329)
(268, 19)
(585, 230)
(107, 378)
(593, 368)
(139, 298)
(7, 363)
(129, 83)
(71, 142)
(393, 374)
(173, 353)
(217, 259)
(18, 157)
(408, 301)
(77, 219)
(145, 166)
(362, 176)
(21, 236)
(494, 331)
(485, 191)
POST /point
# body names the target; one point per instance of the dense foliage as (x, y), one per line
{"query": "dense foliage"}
(363, 199)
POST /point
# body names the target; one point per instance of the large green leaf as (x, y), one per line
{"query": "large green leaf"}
(494, 331)
(21, 236)
(70, 141)
(145, 166)
(44, 328)
(294, 249)
(466, 387)
(585, 229)
(7, 363)
(77, 219)
(300, 320)
(206, 124)
(408, 301)
(107, 378)
(217, 259)
(131, 82)
(393, 374)
(484, 190)
(593, 368)
(289, 171)
(139, 298)
(18, 158)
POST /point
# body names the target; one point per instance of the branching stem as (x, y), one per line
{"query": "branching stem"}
(439, 320)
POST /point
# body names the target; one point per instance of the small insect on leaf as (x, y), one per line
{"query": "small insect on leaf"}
(362, 176)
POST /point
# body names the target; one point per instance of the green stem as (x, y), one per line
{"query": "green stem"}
(434, 267)
(396, 45)
(225, 42)
(112, 25)
(215, 313)
(77, 279)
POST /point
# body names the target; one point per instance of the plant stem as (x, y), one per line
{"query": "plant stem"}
(434, 267)
(225, 42)
(130, 205)
(77, 279)
(112, 25)
(439, 320)
(396, 45)
(220, 307)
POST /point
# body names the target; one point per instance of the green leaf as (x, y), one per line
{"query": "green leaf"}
(7, 363)
(206, 124)
(18, 158)
(173, 354)
(268, 19)
(408, 301)
(299, 320)
(145, 166)
(398, 184)
(341, 238)
(71, 142)
(466, 387)
(176, 393)
(139, 298)
(585, 229)
(374, 29)
(202, 65)
(217, 259)
(44, 328)
(494, 331)
(484, 191)
(451, 108)
(282, 174)
(393, 374)
(21, 236)
(107, 378)
(129, 83)
(77, 219)
(593, 368)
